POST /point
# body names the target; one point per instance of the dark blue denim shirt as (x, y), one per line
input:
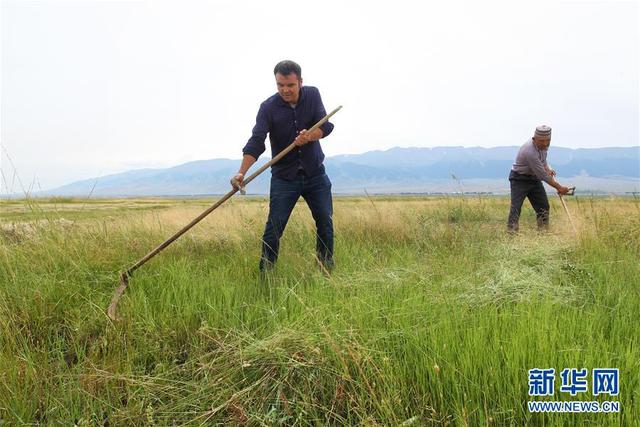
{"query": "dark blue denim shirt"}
(283, 122)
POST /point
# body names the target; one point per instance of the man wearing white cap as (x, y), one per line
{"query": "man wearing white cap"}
(527, 174)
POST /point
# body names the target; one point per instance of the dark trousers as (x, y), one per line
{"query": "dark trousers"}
(284, 194)
(527, 186)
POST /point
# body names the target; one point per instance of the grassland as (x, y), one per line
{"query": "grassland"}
(433, 316)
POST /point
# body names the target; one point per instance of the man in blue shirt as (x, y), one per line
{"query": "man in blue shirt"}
(286, 116)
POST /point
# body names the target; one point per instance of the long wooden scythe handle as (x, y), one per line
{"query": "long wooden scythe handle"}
(125, 275)
(564, 205)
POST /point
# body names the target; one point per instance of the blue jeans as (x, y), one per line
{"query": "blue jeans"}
(284, 194)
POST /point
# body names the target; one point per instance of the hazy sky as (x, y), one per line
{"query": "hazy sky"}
(95, 87)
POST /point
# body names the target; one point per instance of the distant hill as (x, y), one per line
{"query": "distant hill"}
(397, 170)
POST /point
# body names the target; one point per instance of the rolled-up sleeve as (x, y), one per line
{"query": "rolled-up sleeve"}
(255, 146)
(319, 113)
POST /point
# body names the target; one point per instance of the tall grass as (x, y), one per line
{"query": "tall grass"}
(433, 315)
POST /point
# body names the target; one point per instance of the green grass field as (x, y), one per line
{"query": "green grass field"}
(433, 315)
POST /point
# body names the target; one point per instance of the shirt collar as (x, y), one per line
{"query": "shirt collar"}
(284, 103)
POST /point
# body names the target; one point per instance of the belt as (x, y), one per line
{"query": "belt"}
(523, 174)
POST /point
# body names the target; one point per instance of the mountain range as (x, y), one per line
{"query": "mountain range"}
(397, 170)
